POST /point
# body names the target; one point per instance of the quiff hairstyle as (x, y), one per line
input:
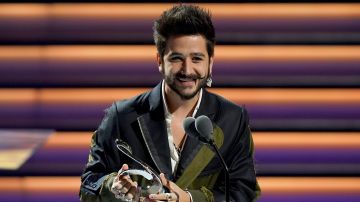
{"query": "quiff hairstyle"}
(184, 20)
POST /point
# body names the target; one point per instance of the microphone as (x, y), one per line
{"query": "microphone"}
(202, 129)
(205, 128)
(189, 127)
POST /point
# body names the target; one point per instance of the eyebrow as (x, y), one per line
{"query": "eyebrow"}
(192, 54)
(176, 54)
(198, 54)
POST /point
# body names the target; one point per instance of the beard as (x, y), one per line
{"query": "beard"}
(170, 81)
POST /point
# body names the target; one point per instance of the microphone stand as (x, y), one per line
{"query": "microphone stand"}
(227, 175)
(205, 135)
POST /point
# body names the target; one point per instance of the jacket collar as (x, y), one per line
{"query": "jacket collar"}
(153, 128)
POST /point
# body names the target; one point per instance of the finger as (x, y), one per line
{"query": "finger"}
(126, 188)
(164, 181)
(117, 185)
(123, 168)
(163, 178)
(120, 184)
(125, 177)
(129, 184)
(132, 191)
(164, 196)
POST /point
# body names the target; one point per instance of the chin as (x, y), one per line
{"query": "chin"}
(188, 95)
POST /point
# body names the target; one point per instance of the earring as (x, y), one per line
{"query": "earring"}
(208, 82)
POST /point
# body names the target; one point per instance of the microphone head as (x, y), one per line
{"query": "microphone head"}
(205, 127)
(189, 127)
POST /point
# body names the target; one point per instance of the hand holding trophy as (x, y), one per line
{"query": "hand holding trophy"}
(125, 188)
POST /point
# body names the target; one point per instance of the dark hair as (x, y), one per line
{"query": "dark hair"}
(184, 20)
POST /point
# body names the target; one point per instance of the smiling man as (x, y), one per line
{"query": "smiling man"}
(150, 126)
(185, 65)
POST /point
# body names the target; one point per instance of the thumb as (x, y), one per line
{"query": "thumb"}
(124, 167)
(163, 179)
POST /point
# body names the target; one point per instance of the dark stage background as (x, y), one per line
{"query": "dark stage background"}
(295, 65)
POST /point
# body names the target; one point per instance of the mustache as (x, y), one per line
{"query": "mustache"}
(189, 76)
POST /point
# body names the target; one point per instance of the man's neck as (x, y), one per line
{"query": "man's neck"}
(178, 106)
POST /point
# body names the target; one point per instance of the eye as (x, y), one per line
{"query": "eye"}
(197, 59)
(175, 59)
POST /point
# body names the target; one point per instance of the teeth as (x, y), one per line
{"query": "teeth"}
(185, 79)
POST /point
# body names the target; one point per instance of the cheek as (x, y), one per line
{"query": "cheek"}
(203, 69)
(172, 68)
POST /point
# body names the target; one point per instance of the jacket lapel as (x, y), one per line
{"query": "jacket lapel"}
(153, 129)
(192, 145)
(201, 159)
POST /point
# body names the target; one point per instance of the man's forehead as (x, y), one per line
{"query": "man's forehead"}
(188, 44)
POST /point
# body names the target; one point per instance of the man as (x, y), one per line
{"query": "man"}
(151, 124)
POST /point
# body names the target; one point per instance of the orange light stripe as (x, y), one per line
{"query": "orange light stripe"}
(153, 10)
(273, 185)
(21, 52)
(101, 52)
(284, 10)
(290, 96)
(238, 95)
(93, 53)
(17, 95)
(39, 184)
(279, 140)
(26, 11)
(317, 140)
(69, 140)
(286, 185)
(147, 53)
(89, 95)
(286, 53)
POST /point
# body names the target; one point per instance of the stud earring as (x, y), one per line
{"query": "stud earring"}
(208, 82)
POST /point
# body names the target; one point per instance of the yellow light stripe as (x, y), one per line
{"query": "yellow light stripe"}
(263, 140)
(269, 185)
(153, 10)
(240, 95)
(147, 53)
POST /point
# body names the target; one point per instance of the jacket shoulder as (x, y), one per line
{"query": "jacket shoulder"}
(133, 104)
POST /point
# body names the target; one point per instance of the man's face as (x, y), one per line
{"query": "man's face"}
(186, 65)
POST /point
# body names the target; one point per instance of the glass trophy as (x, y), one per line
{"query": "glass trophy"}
(150, 180)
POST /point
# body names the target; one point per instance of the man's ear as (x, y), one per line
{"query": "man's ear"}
(159, 62)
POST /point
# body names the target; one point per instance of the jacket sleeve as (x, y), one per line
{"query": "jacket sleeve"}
(100, 171)
(243, 183)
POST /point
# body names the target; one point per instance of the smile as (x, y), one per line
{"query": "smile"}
(186, 79)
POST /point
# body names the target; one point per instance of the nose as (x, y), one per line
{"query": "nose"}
(186, 67)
